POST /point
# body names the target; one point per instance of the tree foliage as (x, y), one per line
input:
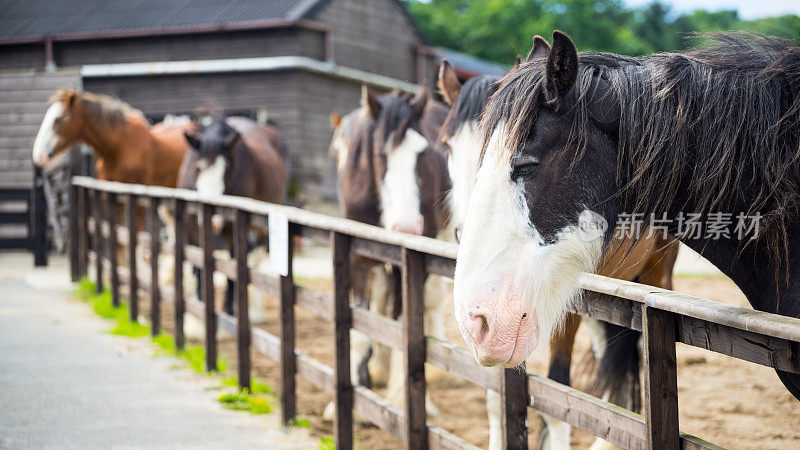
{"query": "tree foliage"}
(499, 30)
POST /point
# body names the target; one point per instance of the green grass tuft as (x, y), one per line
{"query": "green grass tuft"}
(299, 423)
(327, 443)
(256, 387)
(166, 343)
(244, 401)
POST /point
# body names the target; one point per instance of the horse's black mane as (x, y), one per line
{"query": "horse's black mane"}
(395, 117)
(471, 102)
(725, 117)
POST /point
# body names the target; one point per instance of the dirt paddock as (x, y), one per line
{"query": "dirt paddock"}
(728, 402)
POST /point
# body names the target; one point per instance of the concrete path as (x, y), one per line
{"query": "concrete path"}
(66, 383)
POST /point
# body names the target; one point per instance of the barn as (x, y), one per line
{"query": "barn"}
(289, 61)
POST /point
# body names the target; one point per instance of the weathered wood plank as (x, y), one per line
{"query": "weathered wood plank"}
(112, 215)
(413, 308)
(660, 379)
(288, 362)
(131, 223)
(342, 319)
(241, 227)
(207, 286)
(153, 228)
(515, 408)
(179, 307)
(98, 239)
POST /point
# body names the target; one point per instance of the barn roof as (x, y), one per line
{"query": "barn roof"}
(36, 19)
(471, 65)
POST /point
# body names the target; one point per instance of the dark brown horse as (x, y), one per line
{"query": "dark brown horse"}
(235, 156)
(573, 136)
(391, 174)
(649, 261)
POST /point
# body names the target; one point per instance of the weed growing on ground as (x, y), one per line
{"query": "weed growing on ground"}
(327, 443)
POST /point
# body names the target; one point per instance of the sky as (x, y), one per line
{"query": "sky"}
(748, 9)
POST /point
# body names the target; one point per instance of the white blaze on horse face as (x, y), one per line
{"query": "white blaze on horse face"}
(511, 287)
(47, 139)
(399, 189)
(211, 181)
(463, 167)
(211, 177)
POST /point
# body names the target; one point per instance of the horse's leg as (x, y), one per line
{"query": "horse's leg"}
(381, 299)
(494, 408)
(437, 291)
(555, 433)
(395, 387)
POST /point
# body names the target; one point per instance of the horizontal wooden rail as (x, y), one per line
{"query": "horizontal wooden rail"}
(667, 317)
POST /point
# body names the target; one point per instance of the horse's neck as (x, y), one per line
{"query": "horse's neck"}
(106, 142)
(753, 269)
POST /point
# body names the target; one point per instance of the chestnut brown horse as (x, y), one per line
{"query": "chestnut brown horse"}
(649, 261)
(127, 148)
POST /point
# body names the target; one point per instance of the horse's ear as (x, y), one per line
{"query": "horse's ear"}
(562, 66)
(419, 101)
(192, 139)
(448, 83)
(336, 119)
(230, 138)
(370, 102)
(540, 49)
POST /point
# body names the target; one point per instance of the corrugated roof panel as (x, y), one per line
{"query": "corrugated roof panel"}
(40, 18)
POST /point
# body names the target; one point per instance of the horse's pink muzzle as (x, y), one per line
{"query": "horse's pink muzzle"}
(414, 226)
(499, 335)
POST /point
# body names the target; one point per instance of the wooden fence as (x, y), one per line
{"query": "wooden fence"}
(664, 317)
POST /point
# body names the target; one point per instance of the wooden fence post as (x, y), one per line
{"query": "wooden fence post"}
(342, 320)
(660, 379)
(207, 287)
(74, 236)
(241, 227)
(98, 239)
(131, 222)
(111, 216)
(515, 408)
(414, 349)
(153, 226)
(287, 335)
(180, 242)
(38, 217)
(82, 248)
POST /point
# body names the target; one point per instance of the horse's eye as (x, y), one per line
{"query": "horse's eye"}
(524, 169)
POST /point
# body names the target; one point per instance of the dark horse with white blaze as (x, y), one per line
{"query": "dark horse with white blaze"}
(391, 174)
(649, 260)
(713, 130)
(235, 156)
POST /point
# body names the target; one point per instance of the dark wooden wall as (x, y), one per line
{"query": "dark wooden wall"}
(372, 35)
(240, 44)
(23, 102)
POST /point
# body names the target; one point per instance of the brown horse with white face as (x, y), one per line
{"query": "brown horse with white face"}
(128, 150)
(391, 174)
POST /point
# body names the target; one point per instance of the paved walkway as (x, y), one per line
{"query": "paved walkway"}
(65, 383)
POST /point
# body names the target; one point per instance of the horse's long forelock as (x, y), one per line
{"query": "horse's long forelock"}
(471, 102)
(731, 109)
